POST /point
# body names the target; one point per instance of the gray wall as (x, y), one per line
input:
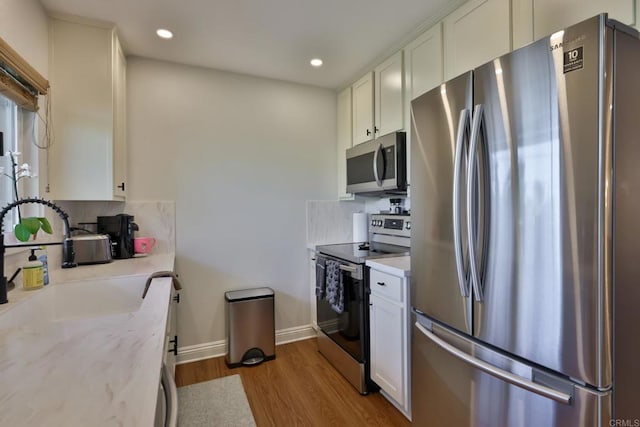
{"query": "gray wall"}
(23, 24)
(240, 156)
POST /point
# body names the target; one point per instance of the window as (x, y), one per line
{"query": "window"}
(20, 85)
(19, 128)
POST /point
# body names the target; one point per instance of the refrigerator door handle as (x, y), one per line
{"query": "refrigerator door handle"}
(457, 216)
(501, 374)
(471, 215)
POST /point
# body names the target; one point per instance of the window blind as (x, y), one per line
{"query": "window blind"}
(19, 81)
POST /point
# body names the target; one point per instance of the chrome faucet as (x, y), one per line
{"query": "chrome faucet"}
(67, 244)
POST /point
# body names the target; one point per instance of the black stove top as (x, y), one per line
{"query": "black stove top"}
(360, 252)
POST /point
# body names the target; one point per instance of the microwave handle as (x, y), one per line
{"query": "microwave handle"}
(376, 173)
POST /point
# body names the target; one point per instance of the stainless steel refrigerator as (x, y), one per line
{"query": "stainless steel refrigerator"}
(525, 252)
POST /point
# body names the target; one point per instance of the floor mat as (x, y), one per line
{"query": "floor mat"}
(219, 402)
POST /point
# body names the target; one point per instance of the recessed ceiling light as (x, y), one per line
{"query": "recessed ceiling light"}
(316, 62)
(165, 34)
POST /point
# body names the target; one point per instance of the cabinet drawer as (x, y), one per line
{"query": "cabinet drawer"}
(386, 285)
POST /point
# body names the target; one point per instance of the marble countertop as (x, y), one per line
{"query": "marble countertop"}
(398, 266)
(102, 370)
(116, 268)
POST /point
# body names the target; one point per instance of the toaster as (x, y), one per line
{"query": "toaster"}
(92, 249)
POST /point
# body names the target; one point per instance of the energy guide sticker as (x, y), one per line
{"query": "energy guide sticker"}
(573, 59)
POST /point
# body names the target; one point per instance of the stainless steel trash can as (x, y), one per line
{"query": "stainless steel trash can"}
(251, 335)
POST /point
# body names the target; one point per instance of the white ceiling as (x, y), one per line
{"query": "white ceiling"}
(268, 38)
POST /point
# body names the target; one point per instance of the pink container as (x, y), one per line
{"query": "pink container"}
(143, 245)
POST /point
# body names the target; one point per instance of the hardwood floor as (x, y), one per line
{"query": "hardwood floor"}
(298, 388)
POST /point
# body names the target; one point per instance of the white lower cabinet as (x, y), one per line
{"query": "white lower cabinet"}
(386, 353)
(167, 400)
(171, 336)
(389, 338)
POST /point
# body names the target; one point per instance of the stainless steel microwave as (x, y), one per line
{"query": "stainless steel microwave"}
(378, 166)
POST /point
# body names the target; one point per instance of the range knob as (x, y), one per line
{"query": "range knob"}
(379, 223)
(408, 225)
(373, 222)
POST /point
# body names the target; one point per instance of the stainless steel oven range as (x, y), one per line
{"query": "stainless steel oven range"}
(342, 295)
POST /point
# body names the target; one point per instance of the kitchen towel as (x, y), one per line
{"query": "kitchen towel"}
(334, 286)
(360, 227)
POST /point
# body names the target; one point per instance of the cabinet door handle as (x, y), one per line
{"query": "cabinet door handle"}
(375, 129)
(121, 186)
(368, 132)
(177, 298)
(381, 283)
(174, 341)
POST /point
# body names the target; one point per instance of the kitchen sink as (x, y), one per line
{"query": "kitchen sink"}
(95, 298)
(78, 300)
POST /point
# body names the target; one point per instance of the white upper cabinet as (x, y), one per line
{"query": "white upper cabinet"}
(423, 63)
(88, 80)
(378, 101)
(550, 16)
(389, 90)
(475, 33)
(120, 123)
(344, 140)
(362, 92)
(423, 67)
(535, 19)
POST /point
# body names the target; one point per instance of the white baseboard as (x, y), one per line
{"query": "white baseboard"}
(297, 333)
(208, 350)
(193, 353)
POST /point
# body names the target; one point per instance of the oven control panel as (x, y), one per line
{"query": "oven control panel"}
(395, 225)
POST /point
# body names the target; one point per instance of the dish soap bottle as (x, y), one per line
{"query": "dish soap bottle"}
(32, 273)
(42, 257)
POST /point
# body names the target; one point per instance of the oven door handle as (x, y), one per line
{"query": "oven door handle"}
(348, 268)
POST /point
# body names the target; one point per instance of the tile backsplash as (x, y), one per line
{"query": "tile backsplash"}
(154, 219)
(330, 221)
